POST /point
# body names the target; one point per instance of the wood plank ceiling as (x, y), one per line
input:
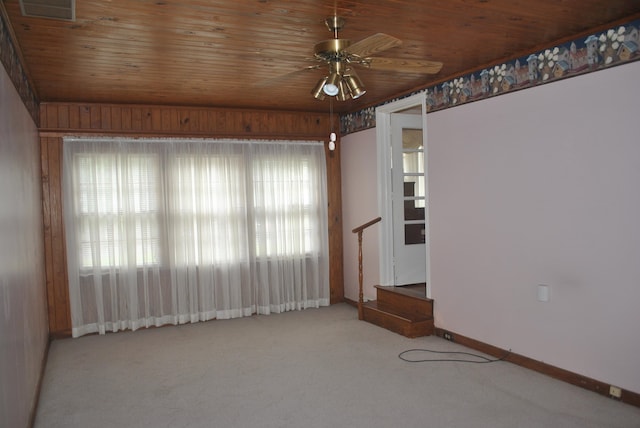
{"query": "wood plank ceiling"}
(253, 54)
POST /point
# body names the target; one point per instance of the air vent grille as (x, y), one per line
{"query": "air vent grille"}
(54, 9)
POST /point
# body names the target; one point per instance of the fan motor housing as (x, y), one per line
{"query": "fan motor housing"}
(332, 49)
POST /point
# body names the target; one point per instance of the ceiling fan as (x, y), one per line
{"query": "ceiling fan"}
(341, 56)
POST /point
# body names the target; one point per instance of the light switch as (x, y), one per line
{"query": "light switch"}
(543, 293)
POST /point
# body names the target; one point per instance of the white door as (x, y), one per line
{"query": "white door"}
(408, 199)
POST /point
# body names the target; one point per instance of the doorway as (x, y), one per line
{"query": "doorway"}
(403, 192)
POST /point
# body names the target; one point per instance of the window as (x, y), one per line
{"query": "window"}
(214, 207)
(173, 231)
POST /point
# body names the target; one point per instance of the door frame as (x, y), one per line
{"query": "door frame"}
(383, 147)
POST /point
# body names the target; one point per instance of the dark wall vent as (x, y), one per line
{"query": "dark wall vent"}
(54, 9)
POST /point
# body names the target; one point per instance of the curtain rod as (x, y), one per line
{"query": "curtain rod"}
(189, 140)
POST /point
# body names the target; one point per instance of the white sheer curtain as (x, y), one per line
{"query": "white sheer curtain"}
(171, 231)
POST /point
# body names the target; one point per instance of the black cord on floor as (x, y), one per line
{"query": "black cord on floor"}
(479, 359)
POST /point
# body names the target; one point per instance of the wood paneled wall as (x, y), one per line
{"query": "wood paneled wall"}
(54, 241)
(71, 118)
(75, 119)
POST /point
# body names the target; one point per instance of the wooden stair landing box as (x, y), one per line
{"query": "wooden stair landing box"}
(405, 310)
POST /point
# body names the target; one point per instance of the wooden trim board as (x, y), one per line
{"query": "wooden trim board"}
(602, 388)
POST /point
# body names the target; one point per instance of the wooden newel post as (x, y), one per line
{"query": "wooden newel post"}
(360, 277)
(359, 231)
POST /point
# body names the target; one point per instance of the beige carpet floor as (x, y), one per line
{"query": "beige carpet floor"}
(314, 368)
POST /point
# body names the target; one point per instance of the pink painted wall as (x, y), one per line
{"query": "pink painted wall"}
(536, 187)
(23, 319)
(540, 186)
(360, 205)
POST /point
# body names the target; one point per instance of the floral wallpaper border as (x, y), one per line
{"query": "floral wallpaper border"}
(12, 64)
(597, 51)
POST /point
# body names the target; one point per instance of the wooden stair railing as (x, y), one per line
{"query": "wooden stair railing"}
(359, 231)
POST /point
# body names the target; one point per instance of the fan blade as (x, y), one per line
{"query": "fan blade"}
(373, 44)
(280, 78)
(417, 66)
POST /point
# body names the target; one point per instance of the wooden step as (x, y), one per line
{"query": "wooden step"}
(397, 322)
(410, 301)
(405, 310)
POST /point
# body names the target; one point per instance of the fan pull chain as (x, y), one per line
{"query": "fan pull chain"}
(332, 135)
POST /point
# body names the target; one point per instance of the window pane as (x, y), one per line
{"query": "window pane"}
(414, 234)
(208, 208)
(286, 212)
(413, 163)
(117, 201)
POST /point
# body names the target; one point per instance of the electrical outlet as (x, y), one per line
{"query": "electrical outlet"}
(614, 391)
(448, 336)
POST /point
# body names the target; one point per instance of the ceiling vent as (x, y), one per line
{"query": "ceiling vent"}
(54, 9)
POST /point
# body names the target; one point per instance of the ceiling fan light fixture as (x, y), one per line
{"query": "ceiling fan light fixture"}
(318, 90)
(354, 84)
